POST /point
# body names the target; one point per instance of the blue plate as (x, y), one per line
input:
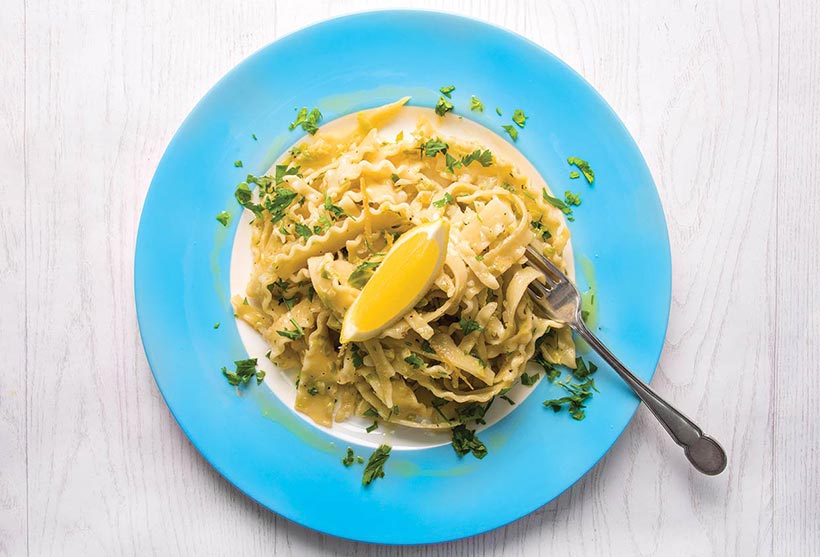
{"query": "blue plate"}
(183, 261)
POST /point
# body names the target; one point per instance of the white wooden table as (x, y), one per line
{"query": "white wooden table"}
(722, 98)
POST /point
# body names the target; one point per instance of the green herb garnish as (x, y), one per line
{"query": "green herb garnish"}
(529, 380)
(446, 200)
(224, 218)
(253, 135)
(452, 163)
(476, 104)
(578, 395)
(237, 164)
(245, 370)
(394, 177)
(283, 170)
(468, 326)
(217, 324)
(375, 464)
(297, 332)
(584, 167)
(350, 458)
(573, 199)
(519, 117)
(443, 106)
(362, 273)
(448, 91)
(308, 121)
(244, 196)
(484, 158)
(539, 227)
(556, 203)
(465, 441)
(303, 230)
(336, 211)
(414, 361)
(356, 356)
(432, 147)
(277, 206)
(574, 175)
(372, 427)
(512, 131)
(425, 345)
(498, 111)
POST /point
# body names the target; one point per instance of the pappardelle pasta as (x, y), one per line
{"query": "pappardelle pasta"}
(325, 217)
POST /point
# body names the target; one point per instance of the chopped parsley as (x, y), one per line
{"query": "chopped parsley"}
(578, 393)
(425, 345)
(443, 106)
(512, 131)
(529, 380)
(362, 273)
(394, 177)
(469, 326)
(465, 441)
(283, 170)
(277, 206)
(303, 230)
(244, 196)
(217, 324)
(448, 91)
(574, 175)
(375, 464)
(484, 158)
(584, 369)
(357, 358)
(237, 164)
(584, 167)
(498, 111)
(308, 120)
(414, 361)
(476, 105)
(572, 199)
(313, 390)
(245, 371)
(297, 332)
(350, 458)
(446, 200)
(433, 147)
(253, 135)
(519, 117)
(372, 427)
(371, 412)
(334, 210)
(550, 370)
(224, 218)
(539, 228)
(556, 203)
(452, 163)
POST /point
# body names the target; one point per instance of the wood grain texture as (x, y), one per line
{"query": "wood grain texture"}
(721, 99)
(13, 502)
(796, 451)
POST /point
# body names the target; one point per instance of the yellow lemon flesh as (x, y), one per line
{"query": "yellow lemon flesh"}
(405, 275)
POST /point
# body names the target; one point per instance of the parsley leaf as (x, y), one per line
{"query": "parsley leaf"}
(476, 104)
(465, 441)
(334, 210)
(414, 361)
(578, 395)
(372, 427)
(572, 198)
(245, 370)
(295, 334)
(519, 117)
(432, 147)
(448, 91)
(362, 273)
(529, 380)
(350, 458)
(394, 177)
(443, 106)
(539, 227)
(303, 230)
(452, 163)
(498, 111)
(244, 195)
(446, 200)
(484, 158)
(512, 131)
(584, 167)
(283, 170)
(253, 135)
(468, 326)
(550, 370)
(425, 345)
(375, 464)
(308, 121)
(574, 175)
(556, 203)
(356, 356)
(276, 206)
(224, 218)
(237, 164)
(217, 324)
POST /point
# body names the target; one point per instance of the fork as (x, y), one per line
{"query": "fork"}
(560, 300)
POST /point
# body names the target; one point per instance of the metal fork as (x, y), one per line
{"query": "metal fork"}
(561, 301)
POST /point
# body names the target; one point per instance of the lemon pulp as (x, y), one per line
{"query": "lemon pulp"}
(405, 275)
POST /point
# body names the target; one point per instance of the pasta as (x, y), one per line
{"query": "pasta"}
(327, 214)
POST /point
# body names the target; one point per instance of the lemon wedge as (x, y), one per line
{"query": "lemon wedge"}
(404, 276)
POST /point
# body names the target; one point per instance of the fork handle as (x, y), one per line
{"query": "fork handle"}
(705, 454)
